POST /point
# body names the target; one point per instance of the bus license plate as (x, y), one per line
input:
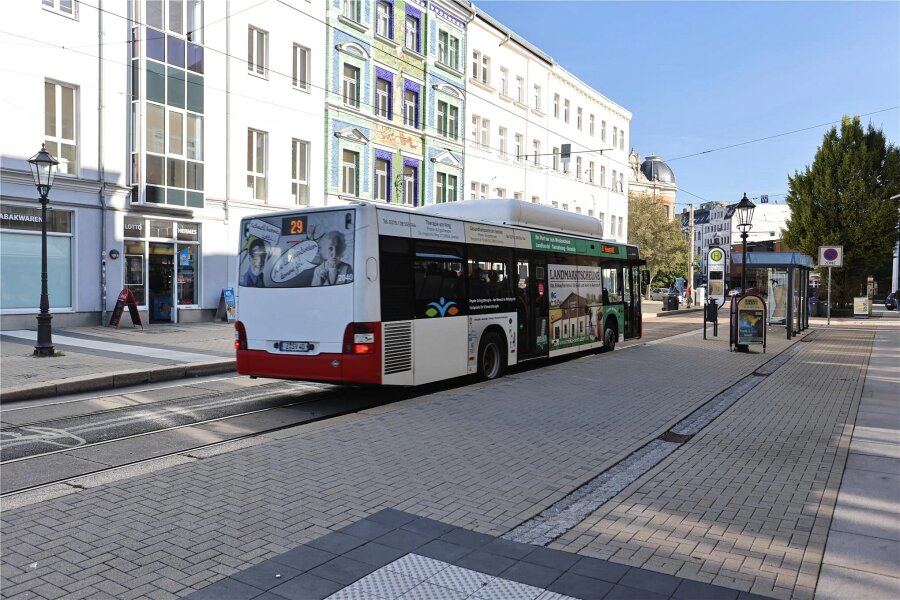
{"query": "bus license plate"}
(294, 346)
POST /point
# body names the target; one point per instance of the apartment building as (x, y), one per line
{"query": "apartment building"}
(522, 108)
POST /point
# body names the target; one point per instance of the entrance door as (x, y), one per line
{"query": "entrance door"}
(162, 275)
(532, 306)
(632, 301)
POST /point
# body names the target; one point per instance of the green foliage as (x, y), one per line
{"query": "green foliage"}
(659, 240)
(844, 199)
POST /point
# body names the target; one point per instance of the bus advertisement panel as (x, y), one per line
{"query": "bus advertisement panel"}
(575, 293)
(296, 251)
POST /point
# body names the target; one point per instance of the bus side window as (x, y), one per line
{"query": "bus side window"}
(396, 279)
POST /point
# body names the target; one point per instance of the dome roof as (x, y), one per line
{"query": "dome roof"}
(655, 169)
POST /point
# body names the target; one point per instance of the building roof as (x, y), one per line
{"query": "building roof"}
(655, 169)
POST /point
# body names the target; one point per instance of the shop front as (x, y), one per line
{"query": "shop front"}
(162, 260)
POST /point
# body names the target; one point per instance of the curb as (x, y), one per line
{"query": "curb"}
(680, 311)
(118, 379)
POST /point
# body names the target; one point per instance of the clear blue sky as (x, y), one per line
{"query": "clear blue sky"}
(702, 75)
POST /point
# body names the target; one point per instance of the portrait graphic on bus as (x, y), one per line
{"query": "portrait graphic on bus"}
(304, 250)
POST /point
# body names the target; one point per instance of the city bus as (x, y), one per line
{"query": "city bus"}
(386, 295)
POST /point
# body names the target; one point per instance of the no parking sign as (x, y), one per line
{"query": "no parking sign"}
(831, 256)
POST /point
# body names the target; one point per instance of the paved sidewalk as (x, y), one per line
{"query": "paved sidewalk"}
(95, 358)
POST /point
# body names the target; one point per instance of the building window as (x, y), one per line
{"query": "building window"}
(517, 195)
(504, 81)
(622, 140)
(590, 212)
(66, 7)
(602, 176)
(481, 135)
(300, 77)
(485, 134)
(578, 167)
(556, 105)
(349, 170)
(602, 131)
(555, 158)
(384, 19)
(382, 179)
(60, 109)
(501, 192)
(448, 50)
(502, 134)
(256, 164)
(591, 171)
(622, 182)
(536, 148)
(565, 206)
(481, 67)
(520, 89)
(537, 97)
(351, 9)
(554, 204)
(566, 111)
(300, 172)
(519, 143)
(447, 120)
(591, 125)
(257, 51)
(578, 118)
(612, 225)
(615, 176)
(578, 210)
(383, 98)
(410, 185)
(445, 190)
(615, 141)
(411, 38)
(351, 85)
(621, 220)
(411, 108)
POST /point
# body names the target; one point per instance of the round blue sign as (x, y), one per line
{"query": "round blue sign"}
(830, 254)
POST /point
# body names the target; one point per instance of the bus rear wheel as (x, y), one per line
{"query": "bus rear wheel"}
(610, 337)
(491, 357)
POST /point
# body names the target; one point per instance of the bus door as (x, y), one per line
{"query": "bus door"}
(532, 306)
(632, 301)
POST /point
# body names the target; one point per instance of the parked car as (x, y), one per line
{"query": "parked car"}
(734, 292)
(658, 293)
(890, 302)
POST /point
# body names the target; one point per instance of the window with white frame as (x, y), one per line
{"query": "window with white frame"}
(411, 108)
(578, 210)
(615, 176)
(622, 140)
(350, 172)
(502, 135)
(383, 98)
(481, 67)
(554, 204)
(622, 182)
(504, 81)
(578, 167)
(411, 37)
(615, 140)
(384, 12)
(556, 105)
(473, 190)
(517, 195)
(351, 9)
(536, 150)
(578, 118)
(382, 176)
(483, 191)
(448, 49)
(410, 187)
(612, 225)
(520, 89)
(555, 158)
(256, 163)
(300, 76)
(591, 125)
(537, 97)
(257, 51)
(590, 212)
(351, 85)
(445, 188)
(60, 125)
(485, 134)
(447, 120)
(65, 7)
(602, 176)
(501, 192)
(602, 131)
(535, 199)
(300, 172)
(621, 230)
(566, 111)
(565, 206)
(590, 172)
(519, 143)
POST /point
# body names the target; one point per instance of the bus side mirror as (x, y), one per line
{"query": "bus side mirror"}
(645, 277)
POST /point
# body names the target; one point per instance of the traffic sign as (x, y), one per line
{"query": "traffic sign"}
(831, 256)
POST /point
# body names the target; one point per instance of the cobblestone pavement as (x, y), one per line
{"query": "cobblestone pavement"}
(748, 502)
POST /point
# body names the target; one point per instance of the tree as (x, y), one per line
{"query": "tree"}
(659, 240)
(844, 199)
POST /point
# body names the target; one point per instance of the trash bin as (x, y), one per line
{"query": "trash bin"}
(671, 302)
(813, 307)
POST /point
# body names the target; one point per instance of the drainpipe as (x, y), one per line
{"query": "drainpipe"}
(101, 176)
(508, 35)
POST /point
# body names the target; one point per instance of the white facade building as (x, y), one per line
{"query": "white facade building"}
(521, 108)
(208, 111)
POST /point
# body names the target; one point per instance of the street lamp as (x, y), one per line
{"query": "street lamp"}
(42, 168)
(744, 211)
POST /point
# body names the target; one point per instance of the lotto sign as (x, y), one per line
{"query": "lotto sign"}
(831, 256)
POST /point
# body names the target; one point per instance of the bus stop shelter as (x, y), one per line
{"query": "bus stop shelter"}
(783, 279)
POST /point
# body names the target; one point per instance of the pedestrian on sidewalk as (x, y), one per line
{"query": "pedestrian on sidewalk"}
(688, 299)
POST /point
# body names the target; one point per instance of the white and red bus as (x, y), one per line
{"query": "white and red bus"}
(375, 294)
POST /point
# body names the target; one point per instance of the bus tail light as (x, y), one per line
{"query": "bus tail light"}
(359, 338)
(240, 336)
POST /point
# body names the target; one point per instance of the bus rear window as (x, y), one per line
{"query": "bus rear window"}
(304, 250)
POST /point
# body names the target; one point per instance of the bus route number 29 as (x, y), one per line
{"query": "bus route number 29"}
(295, 225)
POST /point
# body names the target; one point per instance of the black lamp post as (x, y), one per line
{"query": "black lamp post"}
(42, 168)
(744, 212)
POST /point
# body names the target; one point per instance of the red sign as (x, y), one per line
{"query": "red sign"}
(125, 298)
